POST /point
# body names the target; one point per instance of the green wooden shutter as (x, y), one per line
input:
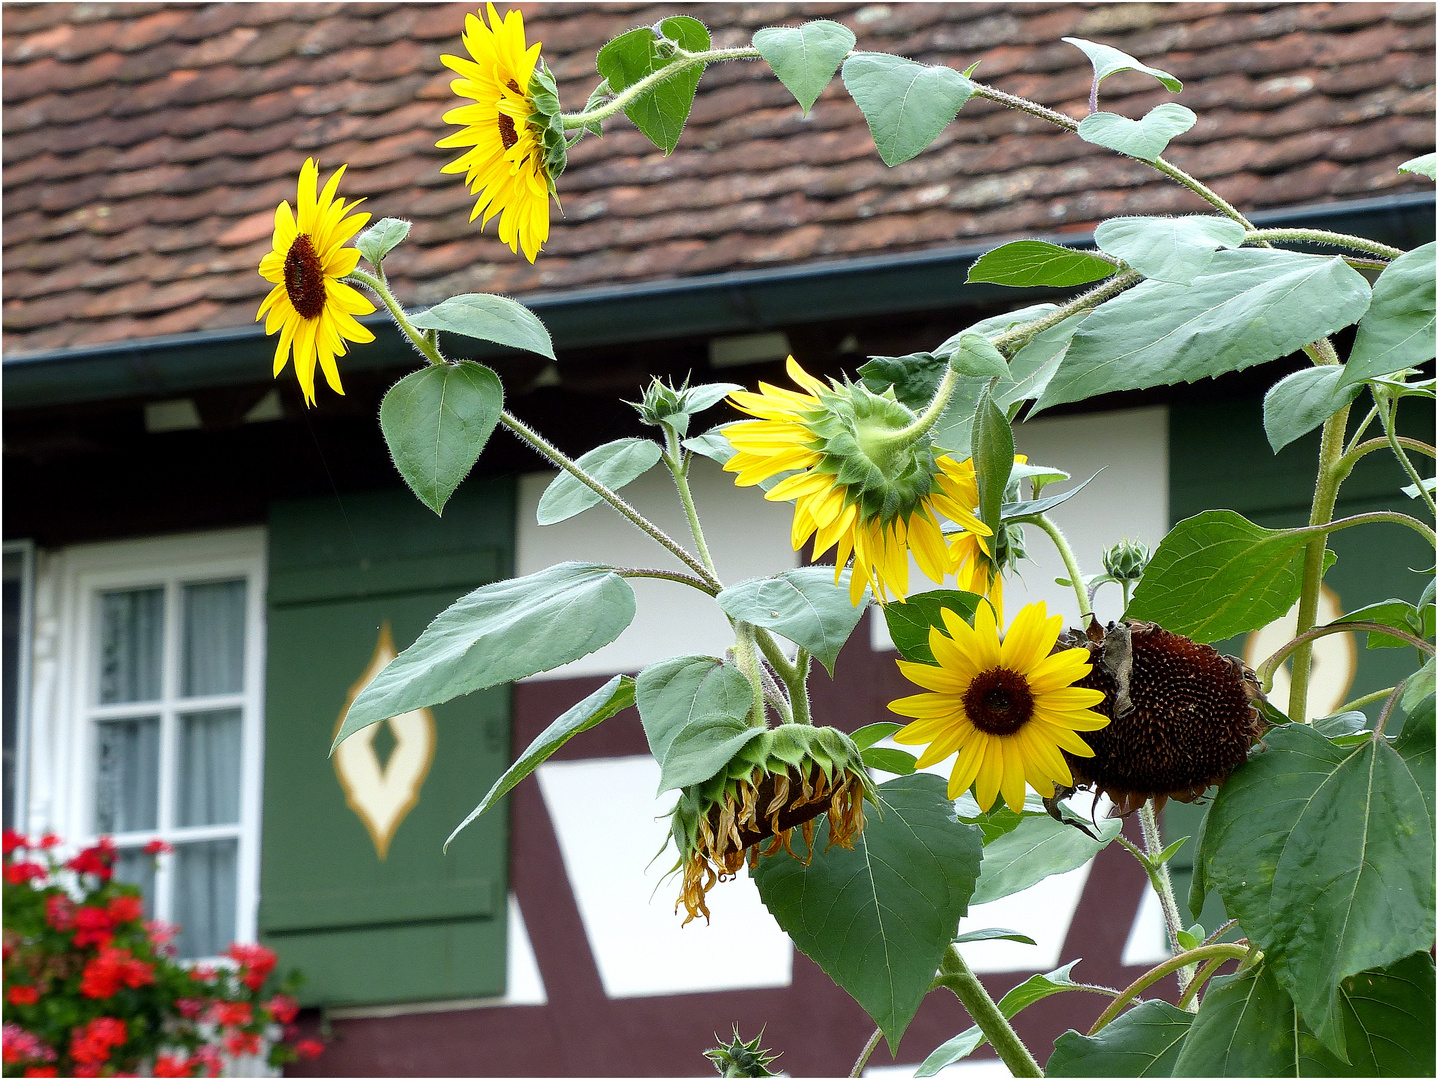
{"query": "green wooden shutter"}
(1220, 458)
(416, 924)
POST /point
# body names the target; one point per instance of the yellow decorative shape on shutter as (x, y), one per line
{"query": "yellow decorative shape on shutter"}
(382, 793)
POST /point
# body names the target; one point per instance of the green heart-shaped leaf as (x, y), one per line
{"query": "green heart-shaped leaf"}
(805, 58)
(1144, 139)
(906, 104)
(436, 422)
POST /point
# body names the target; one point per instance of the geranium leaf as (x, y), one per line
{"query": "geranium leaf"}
(613, 465)
(805, 58)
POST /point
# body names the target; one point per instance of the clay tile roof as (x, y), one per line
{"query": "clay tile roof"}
(146, 145)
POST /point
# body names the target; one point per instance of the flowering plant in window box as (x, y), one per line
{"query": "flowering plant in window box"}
(93, 988)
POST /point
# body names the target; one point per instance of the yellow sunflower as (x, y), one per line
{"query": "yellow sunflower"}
(311, 308)
(1006, 707)
(852, 490)
(511, 162)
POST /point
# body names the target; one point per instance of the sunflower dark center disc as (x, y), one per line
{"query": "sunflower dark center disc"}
(507, 134)
(305, 278)
(998, 701)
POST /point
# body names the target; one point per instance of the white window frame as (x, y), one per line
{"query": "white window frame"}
(26, 550)
(85, 571)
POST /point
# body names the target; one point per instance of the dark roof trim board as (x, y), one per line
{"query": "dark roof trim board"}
(728, 303)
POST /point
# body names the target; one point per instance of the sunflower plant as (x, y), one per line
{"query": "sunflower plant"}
(1319, 835)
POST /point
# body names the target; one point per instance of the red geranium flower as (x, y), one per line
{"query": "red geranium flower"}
(208, 1059)
(13, 840)
(60, 911)
(190, 1008)
(93, 926)
(24, 995)
(125, 908)
(309, 1048)
(172, 1065)
(231, 1013)
(105, 974)
(256, 962)
(48, 841)
(42, 1070)
(158, 847)
(98, 859)
(92, 1043)
(283, 1008)
(21, 872)
(242, 1043)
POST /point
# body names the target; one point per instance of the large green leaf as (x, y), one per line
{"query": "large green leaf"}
(1300, 402)
(1247, 1026)
(805, 58)
(498, 633)
(1038, 847)
(906, 104)
(1399, 614)
(1415, 746)
(614, 464)
(489, 318)
(1108, 61)
(701, 748)
(436, 421)
(613, 697)
(805, 605)
(675, 693)
(660, 114)
(1035, 364)
(1397, 332)
(1026, 263)
(1324, 854)
(1251, 306)
(1144, 139)
(1033, 989)
(909, 622)
(993, 459)
(1217, 574)
(1172, 249)
(1145, 1041)
(878, 918)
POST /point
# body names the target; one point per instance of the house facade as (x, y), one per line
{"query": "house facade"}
(201, 573)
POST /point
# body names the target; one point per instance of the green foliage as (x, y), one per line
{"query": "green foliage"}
(672, 407)
(869, 734)
(1029, 507)
(1249, 307)
(436, 422)
(489, 318)
(910, 622)
(1031, 990)
(878, 918)
(381, 238)
(993, 459)
(1422, 165)
(1034, 848)
(614, 464)
(685, 690)
(995, 933)
(660, 114)
(805, 605)
(906, 104)
(614, 696)
(1415, 746)
(976, 357)
(1108, 61)
(1324, 855)
(738, 1058)
(1300, 402)
(1035, 364)
(805, 58)
(499, 633)
(1399, 614)
(1217, 574)
(1397, 332)
(898, 762)
(1144, 139)
(1026, 263)
(1145, 1041)
(702, 747)
(1175, 250)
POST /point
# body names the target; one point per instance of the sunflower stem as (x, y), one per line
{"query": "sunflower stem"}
(1269, 667)
(1366, 699)
(1043, 521)
(1162, 883)
(1322, 236)
(930, 416)
(428, 346)
(863, 1059)
(1148, 978)
(1388, 416)
(1010, 341)
(674, 461)
(682, 62)
(1188, 1001)
(748, 662)
(955, 974)
(1387, 710)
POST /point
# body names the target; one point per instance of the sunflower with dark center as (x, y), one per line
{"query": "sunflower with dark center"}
(784, 779)
(1183, 715)
(511, 129)
(313, 310)
(1008, 708)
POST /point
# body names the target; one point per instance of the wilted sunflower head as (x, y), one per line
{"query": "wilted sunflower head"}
(313, 310)
(1183, 715)
(781, 781)
(1010, 708)
(860, 484)
(512, 129)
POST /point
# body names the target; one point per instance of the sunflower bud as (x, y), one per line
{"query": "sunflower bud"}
(1182, 715)
(778, 782)
(740, 1058)
(661, 401)
(1126, 560)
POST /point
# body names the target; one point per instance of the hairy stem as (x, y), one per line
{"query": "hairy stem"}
(1321, 236)
(1353, 454)
(1070, 562)
(666, 575)
(955, 974)
(1325, 497)
(426, 344)
(930, 416)
(1162, 883)
(748, 662)
(682, 62)
(1168, 967)
(1188, 1001)
(1366, 699)
(1387, 709)
(680, 471)
(1269, 667)
(858, 1069)
(1012, 340)
(1388, 416)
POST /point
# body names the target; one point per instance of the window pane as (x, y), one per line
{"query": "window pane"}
(205, 887)
(127, 774)
(137, 867)
(214, 649)
(132, 634)
(208, 785)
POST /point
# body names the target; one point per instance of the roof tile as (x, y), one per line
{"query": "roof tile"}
(146, 146)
